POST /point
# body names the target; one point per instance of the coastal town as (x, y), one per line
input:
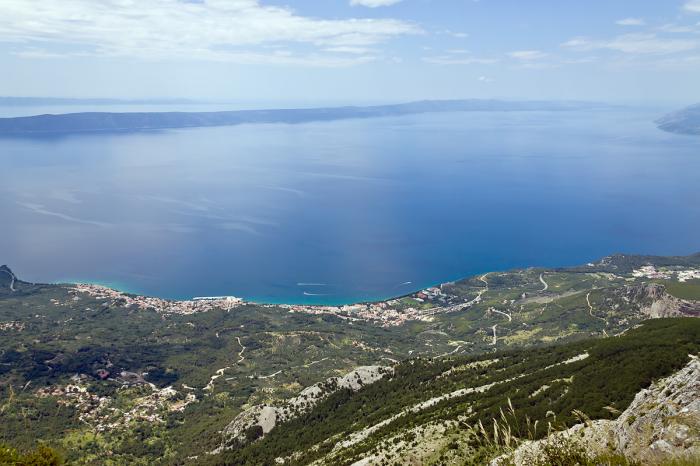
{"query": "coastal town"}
(422, 305)
(162, 306)
(682, 275)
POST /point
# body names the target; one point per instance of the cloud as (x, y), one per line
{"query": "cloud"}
(636, 44)
(692, 6)
(579, 61)
(528, 55)
(459, 59)
(677, 29)
(455, 34)
(349, 49)
(219, 30)
(373, 3)
(458, 35)
(631, 22)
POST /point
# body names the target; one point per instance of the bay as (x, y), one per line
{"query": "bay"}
(345, 211)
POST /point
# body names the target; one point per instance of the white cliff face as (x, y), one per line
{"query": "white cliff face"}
(362, 376)
(664, 305)
(662, 422)
(268, 416)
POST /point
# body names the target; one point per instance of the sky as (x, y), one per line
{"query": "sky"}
(284, 51)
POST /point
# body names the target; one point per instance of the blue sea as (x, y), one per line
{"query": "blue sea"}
(345, 211)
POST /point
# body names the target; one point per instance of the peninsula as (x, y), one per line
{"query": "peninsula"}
(144, 121)
(685, 121)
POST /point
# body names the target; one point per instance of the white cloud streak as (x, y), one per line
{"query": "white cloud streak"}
(630, 22)
(635, 44)
(458, 57)
(457, 60)
(528, 55)
(373, 3)
(217, 30)
(692, 6)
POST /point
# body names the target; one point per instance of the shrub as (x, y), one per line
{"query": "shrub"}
(41, 456)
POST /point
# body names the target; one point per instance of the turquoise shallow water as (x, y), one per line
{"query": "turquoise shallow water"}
(346, 211)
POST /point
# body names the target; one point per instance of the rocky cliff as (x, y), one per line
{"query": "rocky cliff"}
(662, 423)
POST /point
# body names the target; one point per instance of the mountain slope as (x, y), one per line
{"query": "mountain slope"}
(92, 370)
(451, 395)
(660, 423)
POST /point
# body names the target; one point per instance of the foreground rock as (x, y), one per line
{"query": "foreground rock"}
(661, 423)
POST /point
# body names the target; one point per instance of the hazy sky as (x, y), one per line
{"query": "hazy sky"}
(351, 50)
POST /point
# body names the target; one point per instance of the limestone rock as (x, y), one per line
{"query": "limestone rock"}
(662, 422)
(268, 416)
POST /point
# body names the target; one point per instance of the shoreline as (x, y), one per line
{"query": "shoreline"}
(268, 301)
(339, 302)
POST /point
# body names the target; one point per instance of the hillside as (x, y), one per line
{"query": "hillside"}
(661, 422)
(104, 121)
(101, 374)
(424, 413)
(685, 121)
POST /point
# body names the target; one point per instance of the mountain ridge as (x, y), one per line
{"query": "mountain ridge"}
(88, 122)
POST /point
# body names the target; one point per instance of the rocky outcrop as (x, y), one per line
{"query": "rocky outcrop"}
(8, 280)
(652, 301)
(662, 422)
(658, 303)
(268, 416)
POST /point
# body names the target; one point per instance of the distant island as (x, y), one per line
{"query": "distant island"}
(142, 121)
(685, 121)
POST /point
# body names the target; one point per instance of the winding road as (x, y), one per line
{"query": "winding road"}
(270, 376)
(240, 353)
(590, 311)
(510, 319)
(481, 292)
(493, 309)
(440, 356)
(544, 283)
(293, 367)
(459, 307)
(220, 372)
(483, 279)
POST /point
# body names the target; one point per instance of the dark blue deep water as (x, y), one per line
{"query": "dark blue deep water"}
(345, 211)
